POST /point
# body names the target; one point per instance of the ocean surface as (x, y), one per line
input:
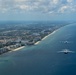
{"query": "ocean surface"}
(44, 59)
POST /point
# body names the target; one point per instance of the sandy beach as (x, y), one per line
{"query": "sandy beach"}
(35, 43)
(17, 49)
(49, 35)
(46, 37)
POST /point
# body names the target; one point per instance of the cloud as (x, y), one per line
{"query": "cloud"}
(70, 1)
(64, 9)
(55, 1)
(48, 6)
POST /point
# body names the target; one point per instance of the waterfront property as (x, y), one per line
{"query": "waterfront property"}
(24, 35)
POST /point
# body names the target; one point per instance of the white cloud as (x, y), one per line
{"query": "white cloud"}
(55, 1)
(63, 9)
(23, 7)
(19, 0)
(48, 6)
(69, 1)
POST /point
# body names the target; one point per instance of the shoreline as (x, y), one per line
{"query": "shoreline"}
(36, 42)
(13, 50)
(46, 37)
(19, 48)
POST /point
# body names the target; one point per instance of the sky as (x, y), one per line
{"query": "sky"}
(37, 10)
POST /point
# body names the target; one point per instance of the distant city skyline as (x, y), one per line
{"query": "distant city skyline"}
(37, 10)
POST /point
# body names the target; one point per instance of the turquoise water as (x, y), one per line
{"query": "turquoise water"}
(43, 59)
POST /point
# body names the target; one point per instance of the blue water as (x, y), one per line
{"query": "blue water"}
(43, 59)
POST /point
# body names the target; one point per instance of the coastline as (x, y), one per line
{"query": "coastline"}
(19, 48)
(46, 37)
(35, 43)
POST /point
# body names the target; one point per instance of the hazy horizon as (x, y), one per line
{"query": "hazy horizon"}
(37, 10)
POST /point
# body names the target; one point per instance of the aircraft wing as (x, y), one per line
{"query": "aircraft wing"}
(65, 50)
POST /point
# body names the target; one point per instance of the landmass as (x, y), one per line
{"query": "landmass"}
(17, 35)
